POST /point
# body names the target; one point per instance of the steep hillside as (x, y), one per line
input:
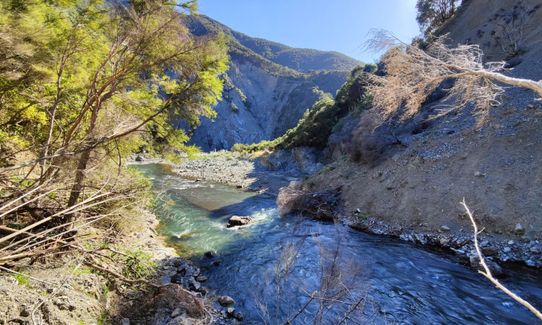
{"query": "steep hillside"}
(268, 87)
(411, 173)
(505, 30)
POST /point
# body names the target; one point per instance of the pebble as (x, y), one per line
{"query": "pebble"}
(490, 250)
(444, 228)
(507, 249)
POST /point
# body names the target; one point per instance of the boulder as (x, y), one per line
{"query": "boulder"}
(226, 301)
(201, 278)
(236, 221)
(210, 254)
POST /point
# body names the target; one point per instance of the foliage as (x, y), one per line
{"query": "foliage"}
(432, 14)
(83, 85)
(22, 280)
(138, 265)
(314, 128)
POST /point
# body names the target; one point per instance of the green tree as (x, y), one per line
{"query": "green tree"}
(433, 13)
(86, 80)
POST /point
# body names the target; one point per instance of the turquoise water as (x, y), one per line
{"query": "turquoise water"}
(273, 266)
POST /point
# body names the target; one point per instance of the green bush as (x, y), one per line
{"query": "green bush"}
(319, 121)
(138, 265)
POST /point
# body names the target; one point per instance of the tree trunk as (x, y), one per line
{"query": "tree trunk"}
(79, 178)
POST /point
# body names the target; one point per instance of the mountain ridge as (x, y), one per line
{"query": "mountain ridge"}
(268, 86)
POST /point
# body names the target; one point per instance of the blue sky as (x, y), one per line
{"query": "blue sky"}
(339, 25)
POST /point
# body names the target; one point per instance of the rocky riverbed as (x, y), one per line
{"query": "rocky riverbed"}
(264, 173)
(497, 249)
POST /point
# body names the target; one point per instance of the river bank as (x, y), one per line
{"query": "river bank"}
(64, 290)
(265, 173)
(250, 173)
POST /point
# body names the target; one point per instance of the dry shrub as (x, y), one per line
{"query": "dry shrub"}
(413, 73)
(319, 205)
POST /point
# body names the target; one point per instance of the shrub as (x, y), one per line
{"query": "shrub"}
(138, 265)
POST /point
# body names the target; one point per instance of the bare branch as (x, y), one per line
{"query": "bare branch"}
(487, 272)
(413, 73)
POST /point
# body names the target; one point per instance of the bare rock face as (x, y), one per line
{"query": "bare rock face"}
(236, 221)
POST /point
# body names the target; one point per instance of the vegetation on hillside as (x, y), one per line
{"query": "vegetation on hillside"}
(314, 128)
(84, 84)
(432, 14)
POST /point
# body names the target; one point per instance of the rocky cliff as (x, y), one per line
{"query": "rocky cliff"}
(267, 88)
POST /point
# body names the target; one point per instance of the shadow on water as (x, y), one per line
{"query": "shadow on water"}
(273, 266)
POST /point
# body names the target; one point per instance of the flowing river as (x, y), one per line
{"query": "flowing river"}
(273, 267)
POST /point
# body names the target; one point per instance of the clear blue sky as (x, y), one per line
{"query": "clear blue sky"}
(339, 25)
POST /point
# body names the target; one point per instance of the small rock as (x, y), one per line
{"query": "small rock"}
(237, 315)
(519, 229)
(235, 221)
(210, 254)
(125, 321)
(507, 249)
(358, 211)
(138, 158)
(230, 312)
(444, 241)
(495, 268)
(510, 242)
(536, 248)
(24, 311)
(225, 301)
(201, 278)
(166, 279)
(64, 303)
(479, 174)
(444, 228)
(490, 250)
(194, 285)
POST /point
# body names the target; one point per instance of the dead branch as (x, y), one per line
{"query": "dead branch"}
(413, 73)
(487, 272)
(302, 309)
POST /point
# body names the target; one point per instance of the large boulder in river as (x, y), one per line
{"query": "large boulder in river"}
(236, 221)
(226, 301)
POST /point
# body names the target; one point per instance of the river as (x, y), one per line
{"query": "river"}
(273, 267)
